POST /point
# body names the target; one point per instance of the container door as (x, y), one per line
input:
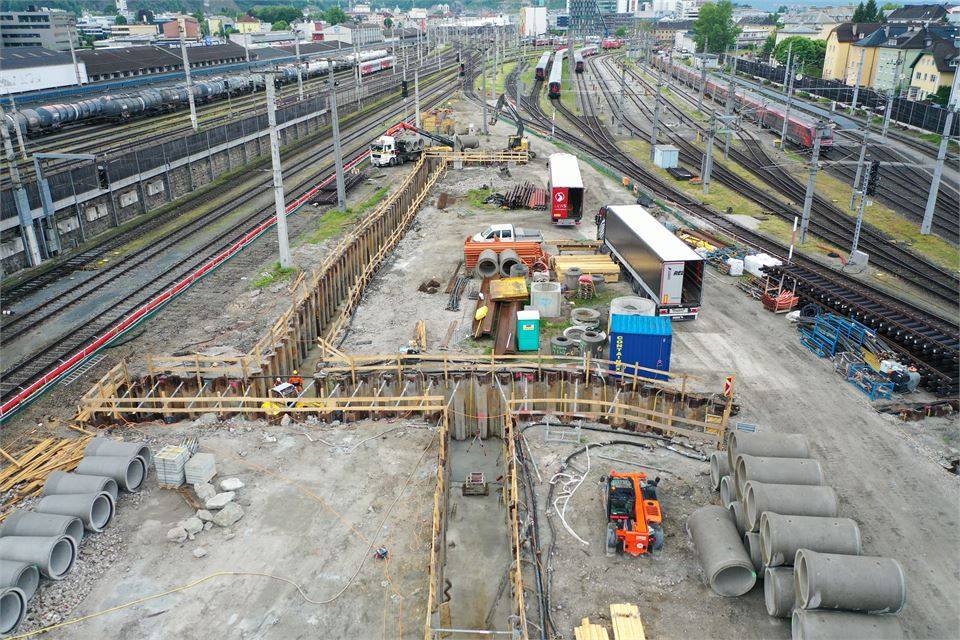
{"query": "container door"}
(561, 202)
(671, 283)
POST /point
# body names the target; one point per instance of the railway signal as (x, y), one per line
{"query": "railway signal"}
(873, 178)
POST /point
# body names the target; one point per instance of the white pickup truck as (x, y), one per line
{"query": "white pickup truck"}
(508, 233)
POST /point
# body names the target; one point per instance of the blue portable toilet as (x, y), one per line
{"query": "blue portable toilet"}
(642, 341)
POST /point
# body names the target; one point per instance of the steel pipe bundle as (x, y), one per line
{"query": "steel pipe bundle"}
(508, 259)
(728, 491)
(13, 607)
(488, 264)
(34, 523)
(95, 510)
(108, 447)
(788, 499)
(63, 483)
(779, 591)
(852, 583)
(770, 445)
(776, 470)
(129, 471)
(53, 555)
(726, 567)
(719, 467)
(782, 536)
(22, 575)
(830, 625)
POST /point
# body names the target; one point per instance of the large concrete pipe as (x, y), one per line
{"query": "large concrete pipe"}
(61, 483)
(771, 445)
(53, 555)
(35, 523)
(726, 567)
(128, 471)
(782, 536)
(776, 470)
(22, 575)
(852, 583)
(719, 467)
(109, 447)
(728, 492)
(739, 514)
(779, 592)
(95, 510)
(788, 499)
(487, 264)
(751, 541)
(508, 260)
(830, 625)
(13, 606)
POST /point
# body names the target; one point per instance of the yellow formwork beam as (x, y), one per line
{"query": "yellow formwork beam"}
(626, 622)
(590, 631)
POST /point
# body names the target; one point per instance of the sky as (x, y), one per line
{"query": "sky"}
(771, 5)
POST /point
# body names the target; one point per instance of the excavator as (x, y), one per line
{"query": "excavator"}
(634, 519)
(517, 142)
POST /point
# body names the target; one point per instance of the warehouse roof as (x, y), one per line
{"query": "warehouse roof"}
(313, 48)
(126, 59)
(24, 57)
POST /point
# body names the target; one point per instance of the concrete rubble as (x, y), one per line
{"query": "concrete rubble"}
(219, 501)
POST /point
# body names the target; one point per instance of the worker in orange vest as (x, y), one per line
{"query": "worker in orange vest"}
(296, 380)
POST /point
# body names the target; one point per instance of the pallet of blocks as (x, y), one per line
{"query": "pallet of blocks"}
(590, 631)
(597, 264)
(626, 622)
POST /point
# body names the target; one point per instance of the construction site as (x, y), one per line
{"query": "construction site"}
(503, 378)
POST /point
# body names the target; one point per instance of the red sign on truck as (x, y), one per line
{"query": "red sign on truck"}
(561, 202)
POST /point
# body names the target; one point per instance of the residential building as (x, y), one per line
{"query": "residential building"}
(147, 32)
(665, 31)
(50, 29)
(263, 39)
(188, 25)
(895, 58)
(217, 24)
(862, 60)
(935, 67)
(839, 42)
(360, 34)
(815, 24)
(754, 30)
(683, 42)
(249, 24)
(918, 14)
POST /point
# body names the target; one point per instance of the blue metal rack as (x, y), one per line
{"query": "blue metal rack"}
(831, 333)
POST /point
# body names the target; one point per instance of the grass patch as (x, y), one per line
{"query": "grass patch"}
(334, 221)
(483, 345)
(498, 81)
(276, 274)
(476, 197)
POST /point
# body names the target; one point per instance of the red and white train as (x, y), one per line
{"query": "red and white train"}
(543, 65)
(373, 66)
(556, 74)
(611, 43)
(580, 54)
(801, 129)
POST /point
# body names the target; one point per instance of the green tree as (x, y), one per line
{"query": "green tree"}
(941, 96)
(714, 31)
(120, 20)
(145, 16)
(890, 6)
(334, 15)
(807, 53)
(273, 14)
(388, 23)
(280, 25)
(768, 46)
(867, 12)
(621, 32)
(202, 21)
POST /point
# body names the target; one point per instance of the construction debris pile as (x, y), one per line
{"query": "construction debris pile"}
(779, 523)
(44, 541)
(521, 196)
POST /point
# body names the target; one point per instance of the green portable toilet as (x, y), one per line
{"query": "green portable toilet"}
(528, 330)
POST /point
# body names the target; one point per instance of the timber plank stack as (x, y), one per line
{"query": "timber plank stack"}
(27, 472)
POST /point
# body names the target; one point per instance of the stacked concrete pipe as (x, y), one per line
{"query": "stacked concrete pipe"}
(739, 513)
(782, 536)
(108, 447)
(770, 445)
(864, 584)
(728, 492)
(22, 575)
(779, 591)
(776, 471)
(726, 567)
(751, 541)
(53, 555)
(128, 470)
(488, 265)
(788, 499)
(62, 483)
(508, 260)
(830, 625)
(719, 467)
(35, 523)
(13, 607)
(95, 510)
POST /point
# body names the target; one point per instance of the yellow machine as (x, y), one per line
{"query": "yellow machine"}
(518, 141)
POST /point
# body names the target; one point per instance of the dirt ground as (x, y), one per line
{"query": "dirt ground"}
(313, 507)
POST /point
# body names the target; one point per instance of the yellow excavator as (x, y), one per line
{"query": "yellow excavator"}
(516, 142)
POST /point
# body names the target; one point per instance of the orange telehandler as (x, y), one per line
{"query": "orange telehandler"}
(634, 526)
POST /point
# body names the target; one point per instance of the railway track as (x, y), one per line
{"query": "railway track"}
(826, 220)
(904, 325)
(30, 368)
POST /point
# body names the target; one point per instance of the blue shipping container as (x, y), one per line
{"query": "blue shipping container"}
(642, 341)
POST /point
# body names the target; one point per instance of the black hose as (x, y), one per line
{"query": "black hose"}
(530, 490)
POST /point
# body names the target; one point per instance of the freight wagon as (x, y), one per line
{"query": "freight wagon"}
(577, 62)
(541, 71)
(566, 190)
(556, 74)
(661, 266)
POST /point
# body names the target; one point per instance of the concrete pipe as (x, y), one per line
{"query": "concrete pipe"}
(776, 470)
(788, 499)
(728, 492)
(60, 483)
(585, 316)
(128, 471)
(487, 264)
(34, 523)
(13, 607)
(109, 447)
(771, 445)
(751, 541)
(95, 510)
(719, 467)
(467, 142)
(782, 536)
(22, 575)
(739, 514)
(519, 270)
(572, 278)
(508, 260)
(53, 555)
(726, 567)
(779, 592)
(830, 625)
(852, 583)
